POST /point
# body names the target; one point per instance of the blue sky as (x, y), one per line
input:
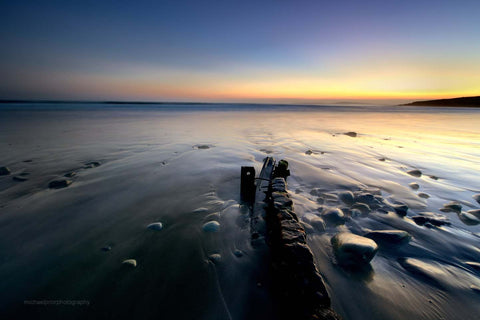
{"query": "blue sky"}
(238, 50)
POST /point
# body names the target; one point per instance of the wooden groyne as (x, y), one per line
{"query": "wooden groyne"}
(297, 283)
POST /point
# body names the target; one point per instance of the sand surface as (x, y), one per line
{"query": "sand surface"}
(180, 166)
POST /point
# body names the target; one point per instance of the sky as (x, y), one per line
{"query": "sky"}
(239, 51)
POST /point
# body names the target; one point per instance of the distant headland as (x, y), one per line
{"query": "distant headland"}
(466, 102)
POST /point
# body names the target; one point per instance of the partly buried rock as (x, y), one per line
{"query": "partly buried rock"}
(92, 164)
(351, 249)
(315, 221)
(130, 263)
(476, 197)
(58, 184)
(432, 218)
(475, 212)
(423, 195)
(211, 226)
(468, 219)
(416, 173)
(19, 178)
(414, 185)
(334, 216)
(351, 134)
(389, 236)
(362, 207)
(347, 197)
(4, 171)
(452, 206)
(155, 226)
(308, 152)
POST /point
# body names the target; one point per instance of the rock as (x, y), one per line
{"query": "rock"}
(468, 219)
(416, 173)
(281, 199)
(130, 263)
(400, 209)
(279, 185)
(70, 174)
(211, 226)
(362, 207)
(365, 197)
(476, 197)
(334, 216)
(106, 248)
(431, 218)
(475, 212)
(389, 236)
(381, 159)
(58, 184)
(308, 152)
(203, 146)
(4, 171)
(200, 210)
(452, 206)
(215, 257)
(423, 195)
(351, 249)
(414, 186)
(315, 222)
(155, 226)
(347, 197)
(92, 164)
(433, 177)
(351, 134)
(238, 253)
(28, 160)
(19, 178)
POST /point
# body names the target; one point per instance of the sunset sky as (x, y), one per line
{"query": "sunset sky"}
(227, 50)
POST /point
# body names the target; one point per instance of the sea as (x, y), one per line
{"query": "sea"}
(88, 249)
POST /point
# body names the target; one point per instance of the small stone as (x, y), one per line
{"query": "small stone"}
(130, 263)
(203, 146)
(433, 177)
(416, 173)
(19, 178)
(400, 209)
(389, 236)
(238, 253)
(452, 206)
(334, 216)
(346, 197)
(308, 152)
(423, 195)
(92, 164)
(476, 197)
(362, 207)
(430, 218)
(351, 249)
(4, 171)
(200, 210)
(106, 248)
(211, 226)
(58, 184)
(70, 174)
(381, 159)
(28, 160)
(351, 134)
(155, 226)
(365, 197)
(475, 212)
(315, 222)
(468, 219)
(414, 186)
(215, 258)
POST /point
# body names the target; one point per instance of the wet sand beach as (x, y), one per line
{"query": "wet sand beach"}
(135, 210)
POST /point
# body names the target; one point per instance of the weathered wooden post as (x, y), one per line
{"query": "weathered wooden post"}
(247, 184)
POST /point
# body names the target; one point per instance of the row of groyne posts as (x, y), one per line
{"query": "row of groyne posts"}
(296, 281)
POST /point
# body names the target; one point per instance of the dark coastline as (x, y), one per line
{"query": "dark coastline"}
(464, 102)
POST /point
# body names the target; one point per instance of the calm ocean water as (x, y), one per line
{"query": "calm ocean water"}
(179, 164)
